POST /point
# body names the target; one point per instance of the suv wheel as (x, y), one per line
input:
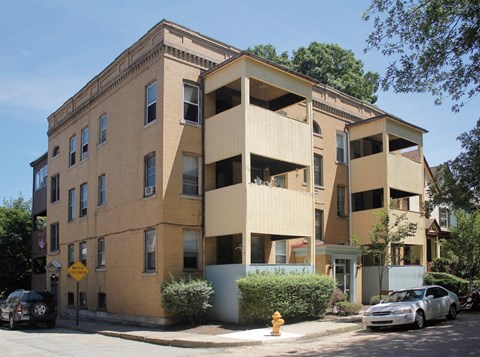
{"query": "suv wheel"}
(13, 324)
(39, 310)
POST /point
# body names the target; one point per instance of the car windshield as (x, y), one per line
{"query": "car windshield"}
(405, 295)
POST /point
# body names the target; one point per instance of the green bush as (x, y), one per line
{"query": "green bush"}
(441, 265)
(348, 308)
(187, 299)
(295, 296)
(375, 299)
(453, 283)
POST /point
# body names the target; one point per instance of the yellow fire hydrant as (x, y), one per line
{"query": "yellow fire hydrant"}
(276, 323)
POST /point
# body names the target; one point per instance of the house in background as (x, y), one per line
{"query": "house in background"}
(39, 222)
(189, 157)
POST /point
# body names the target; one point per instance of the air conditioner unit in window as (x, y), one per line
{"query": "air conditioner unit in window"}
(149, 190)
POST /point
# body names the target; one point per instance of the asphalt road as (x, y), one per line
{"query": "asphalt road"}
(460, 337)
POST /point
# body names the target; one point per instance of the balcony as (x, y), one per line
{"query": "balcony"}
(405, 174)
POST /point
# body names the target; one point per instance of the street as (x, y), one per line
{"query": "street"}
(440, 338)
(459, 337)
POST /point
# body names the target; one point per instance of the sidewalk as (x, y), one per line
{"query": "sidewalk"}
(220, 335)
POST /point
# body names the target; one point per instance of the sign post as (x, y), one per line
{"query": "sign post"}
(78, 271)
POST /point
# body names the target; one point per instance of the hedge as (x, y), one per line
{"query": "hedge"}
(451, 282)
(295, 296)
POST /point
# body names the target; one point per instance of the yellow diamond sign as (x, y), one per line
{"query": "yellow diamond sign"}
(78, 271)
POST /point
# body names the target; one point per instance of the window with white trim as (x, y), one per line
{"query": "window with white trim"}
(102, 187)
(54, 237)
(101, 253)
(318, 169)
(318, 225)
(190, 175)
(84, 153)
(41, 178)
(55, 188)
(150, 251)
(71, 255)
(83, 199)
(190, 249)
(341, 146)
(71, 204)
(191, 103)
(281, 252)
(149, 188)
(151, 97)
(341, 211)
(102, 129)
(73, 151)
(82, 253)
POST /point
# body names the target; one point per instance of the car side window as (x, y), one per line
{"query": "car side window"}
(431, 292)
(439, 292)
(14, 297)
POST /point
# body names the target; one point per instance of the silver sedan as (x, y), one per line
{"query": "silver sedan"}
(412, 306)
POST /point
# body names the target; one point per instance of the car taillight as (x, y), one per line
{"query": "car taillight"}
(18, 308)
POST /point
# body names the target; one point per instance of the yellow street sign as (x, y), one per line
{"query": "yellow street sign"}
(78, 271)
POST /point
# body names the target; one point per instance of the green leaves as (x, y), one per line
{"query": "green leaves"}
(434, 45)
(15, 244)
(295, 296)
(329, 64)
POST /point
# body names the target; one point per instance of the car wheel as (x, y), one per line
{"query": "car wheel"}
(452, 313)
(51, 324)
(419, 320)
(12, 323)
(39, 310)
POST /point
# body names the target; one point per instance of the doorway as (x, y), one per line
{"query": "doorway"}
(343, 276)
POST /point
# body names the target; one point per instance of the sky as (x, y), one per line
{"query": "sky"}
(50, 49)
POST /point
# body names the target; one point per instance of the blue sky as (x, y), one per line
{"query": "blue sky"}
(50, 49)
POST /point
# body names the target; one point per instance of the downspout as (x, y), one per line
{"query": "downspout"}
(202, 87)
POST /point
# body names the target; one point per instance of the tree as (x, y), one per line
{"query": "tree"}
(463, 248)
(15, 244)
(388, 234)
(329, 64)
(457, 180)
(434, 45)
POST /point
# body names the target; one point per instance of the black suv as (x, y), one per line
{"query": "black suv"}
(30, 307)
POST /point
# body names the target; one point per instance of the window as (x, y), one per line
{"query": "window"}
(83, 199)
(83, 253)
(443, 217)
(41, 178)
(71, 299)
(55, 188)
(102, 301)
(73, 151)
(149, 188)
(305, 176)
(190, 249)
(102, 129)
(102, 182)
(190, 175)
(150, 251)
(280, 181)
(318, 224)
(84, 154)
(318, 170)
(54, 237)
(101, 253)
(341, 202)
(71, 255)
(151, 114)
(316, 128)
(83, 300)
(71, 204)
(341, 138)
(257, 250)
(55, 151)
(191, 95)
(281, 252)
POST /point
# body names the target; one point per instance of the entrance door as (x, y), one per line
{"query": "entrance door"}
(342, 276)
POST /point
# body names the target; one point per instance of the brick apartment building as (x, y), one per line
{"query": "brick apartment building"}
(187, 156)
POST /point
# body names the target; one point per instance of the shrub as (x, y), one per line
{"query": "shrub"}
(453, 283)
(187, 299)
(375, 299)
(441, 265)
(295, 296)
(348, 308)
